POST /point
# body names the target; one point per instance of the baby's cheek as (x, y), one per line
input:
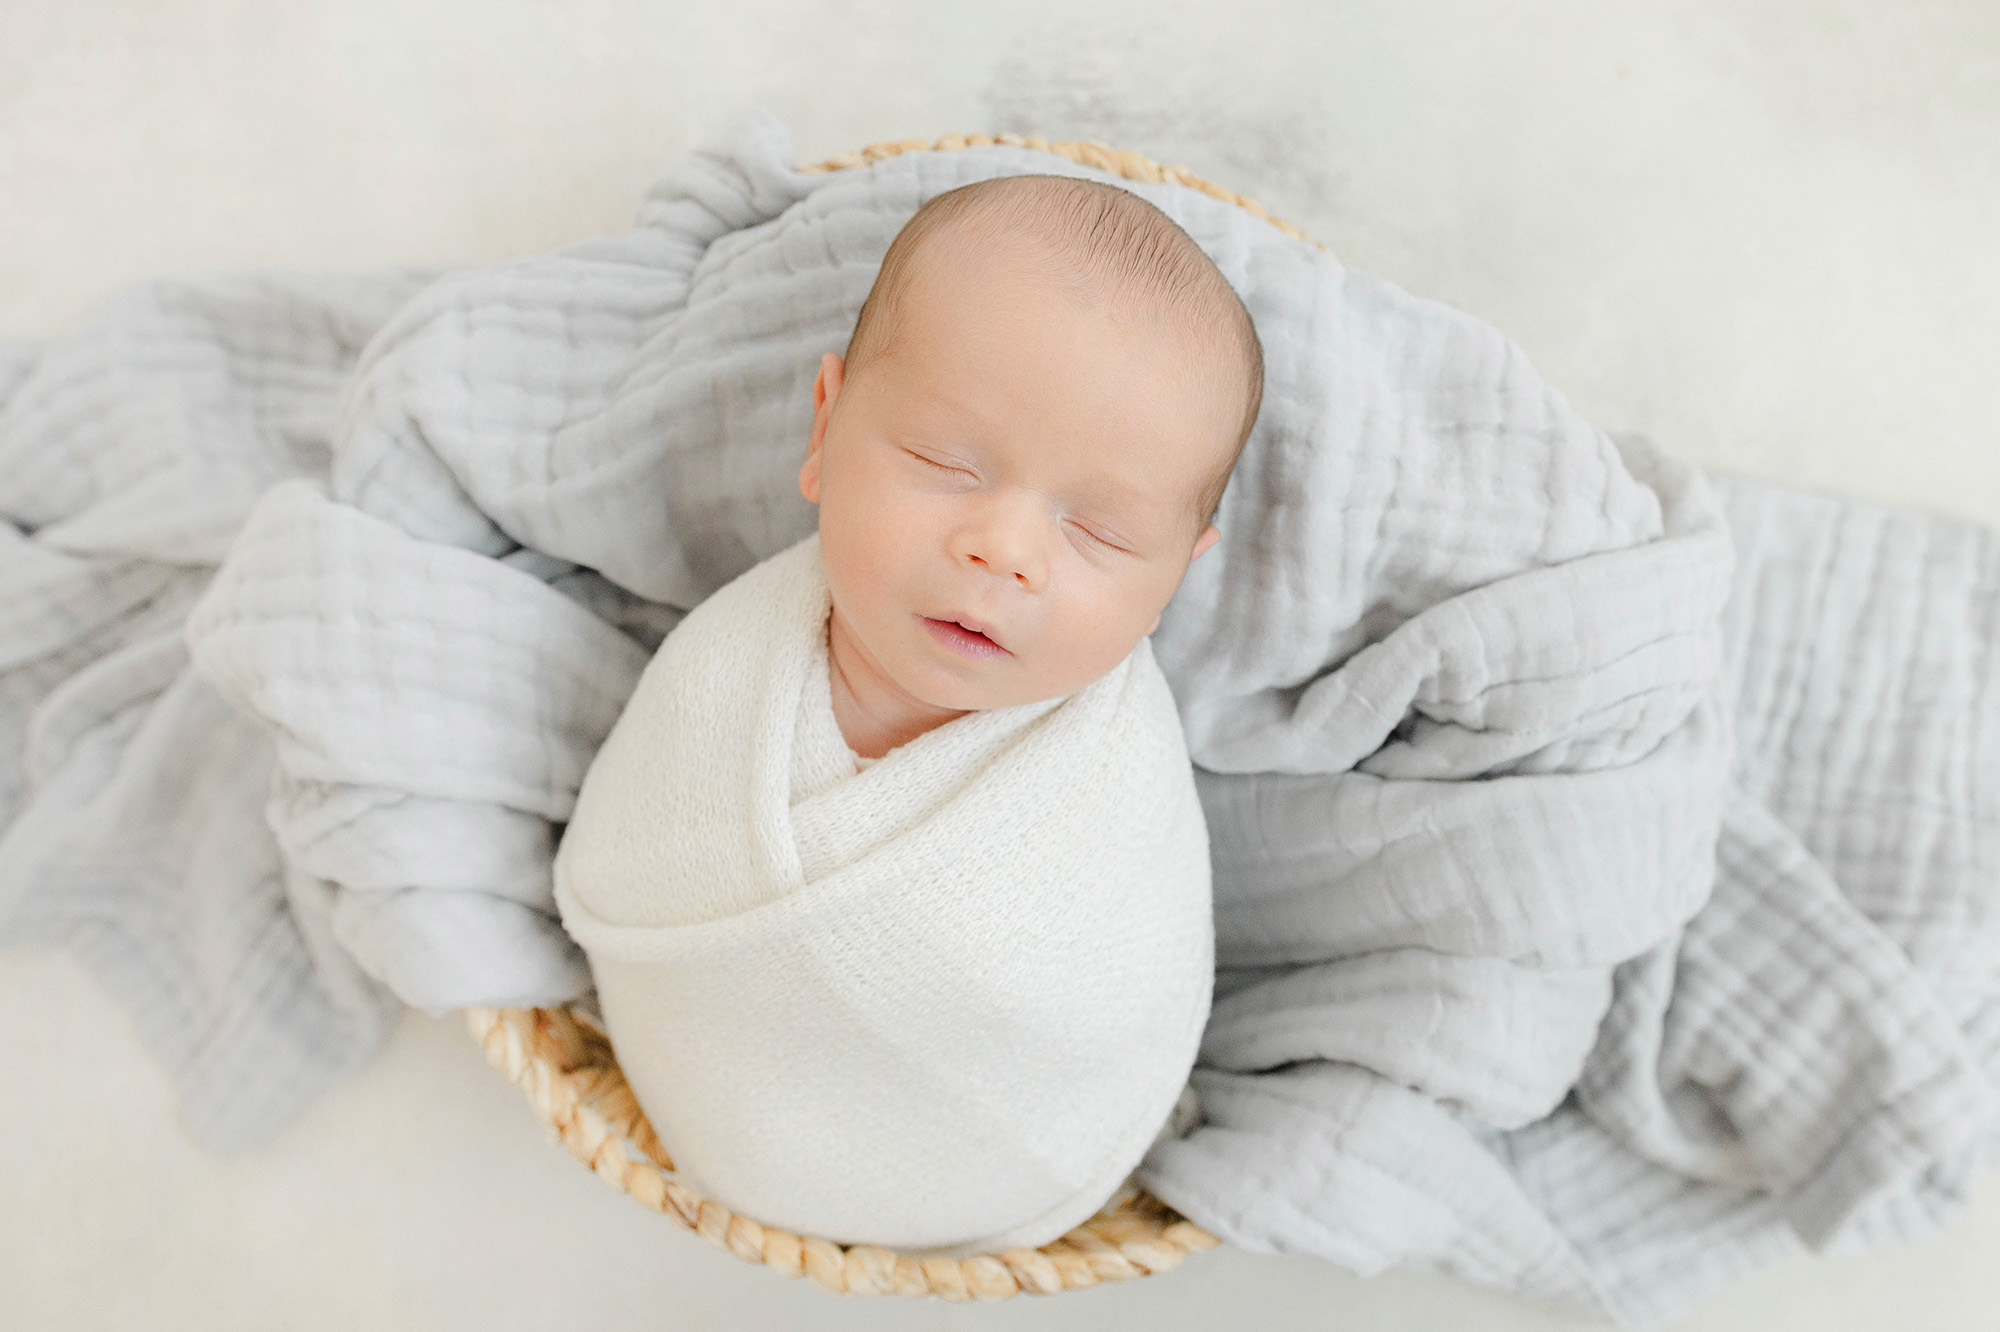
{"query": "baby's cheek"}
(855, 535)
(1093, 637)
(878, 549)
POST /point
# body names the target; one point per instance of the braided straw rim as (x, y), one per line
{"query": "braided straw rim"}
(1084, 152)
(575, 1086)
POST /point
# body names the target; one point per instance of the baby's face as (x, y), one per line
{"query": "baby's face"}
(1020, 460)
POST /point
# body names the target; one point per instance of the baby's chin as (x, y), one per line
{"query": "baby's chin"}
(972, 687)
(982, 687)
(961, 695)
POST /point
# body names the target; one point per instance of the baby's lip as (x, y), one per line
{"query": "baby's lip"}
(967, 622)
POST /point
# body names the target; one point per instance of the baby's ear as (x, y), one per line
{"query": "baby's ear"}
(826, 388)
(826, 384)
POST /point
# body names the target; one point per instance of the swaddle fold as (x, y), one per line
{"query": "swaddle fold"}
(943, 1004)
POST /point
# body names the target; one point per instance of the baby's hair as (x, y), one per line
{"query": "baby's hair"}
(1101, 232)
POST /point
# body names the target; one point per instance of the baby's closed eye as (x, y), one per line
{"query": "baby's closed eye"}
(943, 467)
(1104, 541)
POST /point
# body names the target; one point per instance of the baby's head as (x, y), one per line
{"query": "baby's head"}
(1042, 401)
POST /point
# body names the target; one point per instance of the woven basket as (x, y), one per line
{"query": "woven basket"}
(571, 1079)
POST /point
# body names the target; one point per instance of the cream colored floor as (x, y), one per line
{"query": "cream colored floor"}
(1760, 231)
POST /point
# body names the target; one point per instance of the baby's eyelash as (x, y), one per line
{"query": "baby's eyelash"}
(932, 461)
(1108, 545)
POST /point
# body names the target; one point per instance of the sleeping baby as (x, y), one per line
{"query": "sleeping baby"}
(892, 874)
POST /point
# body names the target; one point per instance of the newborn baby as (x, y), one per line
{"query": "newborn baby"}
(892, 874)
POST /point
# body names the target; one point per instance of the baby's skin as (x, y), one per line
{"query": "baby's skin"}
(1010, 487)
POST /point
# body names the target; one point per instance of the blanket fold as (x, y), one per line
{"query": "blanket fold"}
(1605, 852)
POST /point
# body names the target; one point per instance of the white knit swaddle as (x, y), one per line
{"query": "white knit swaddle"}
(943, 1004)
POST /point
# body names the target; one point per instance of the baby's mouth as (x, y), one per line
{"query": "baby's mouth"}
(966, 642)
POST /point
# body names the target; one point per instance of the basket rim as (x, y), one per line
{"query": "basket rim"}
(1120, 162)
(572, 1081)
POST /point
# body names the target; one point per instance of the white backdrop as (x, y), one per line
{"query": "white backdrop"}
(1761, 232)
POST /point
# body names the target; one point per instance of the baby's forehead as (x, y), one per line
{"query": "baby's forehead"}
(1196, 336)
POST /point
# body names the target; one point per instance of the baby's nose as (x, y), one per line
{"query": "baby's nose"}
(1001, 568)
(1006, 548)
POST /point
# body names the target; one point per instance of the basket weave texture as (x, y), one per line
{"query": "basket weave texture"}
(574, 1084)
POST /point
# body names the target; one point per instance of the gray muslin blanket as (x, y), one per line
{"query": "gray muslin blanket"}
(1607, 854)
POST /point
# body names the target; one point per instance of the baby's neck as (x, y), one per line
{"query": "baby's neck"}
(875, 713)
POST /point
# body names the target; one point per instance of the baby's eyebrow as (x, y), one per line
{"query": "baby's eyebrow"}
(1112, 497)
(1111, 488)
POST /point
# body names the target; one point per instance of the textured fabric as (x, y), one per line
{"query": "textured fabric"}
(944, 1006)
(1605, 853)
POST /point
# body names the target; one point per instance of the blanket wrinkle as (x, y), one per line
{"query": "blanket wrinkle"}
(1354, 1011)
(1513, 738)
